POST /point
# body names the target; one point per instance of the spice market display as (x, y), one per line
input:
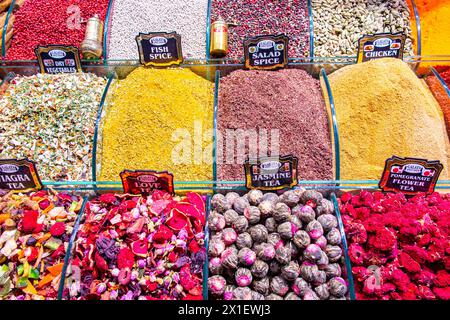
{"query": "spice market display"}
(185, 156)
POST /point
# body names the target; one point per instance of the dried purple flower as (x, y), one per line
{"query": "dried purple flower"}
(292, 296)
(290, 271)
(229, 236)
(273, 239)
(240, 224)
(215, 265)
(301, 239)
(312, 252)
(219, 203)
(240, 204)
(300, 287)
(228, 292)
(252, 214)
(308, 270)
(216, 247)
(259, 269)
(290, 198)
(266, 208)
(274, 268)
(246, 257)
(310, 295)
(230, 216)
(334, 237)
(244, 240)
(255, 197)
(283, 255)
(259, 233)
(296, 221)
(322, 291)
(242, 293)
(321, 242)
(281, 212)
(306, 214)
(243, 277)
(334, 253)
(231, 197)
(257, 296)
(293, 248)
(314, 229)
(271, 224)
(287, 230)
(279, 286)
(327, 221)
(332, 270)
(265, 252)
(270, 196)
(319, 278)
(323, 260)
(261, 285)
(229, 259)
(337, 287)
(216, 285)
(216, 221)
(311, 196)
(325, 207)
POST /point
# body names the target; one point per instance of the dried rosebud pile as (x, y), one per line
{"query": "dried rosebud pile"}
(133, 247)
(274, 247)
(399, 248)
(34, 232)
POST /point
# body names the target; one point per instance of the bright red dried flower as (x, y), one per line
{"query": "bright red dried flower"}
(125, 259)
(58, 229)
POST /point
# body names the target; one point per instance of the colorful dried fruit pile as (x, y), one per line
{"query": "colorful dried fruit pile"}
(34, 232)
(270, 247)
(131, 247)
(399, 248)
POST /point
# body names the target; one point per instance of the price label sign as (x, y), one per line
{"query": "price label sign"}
(19, 175)
(160, 49)
(271, 173)
(410, 175)
(382, 45)
(145, 181)
(54, 59)
(266, 52)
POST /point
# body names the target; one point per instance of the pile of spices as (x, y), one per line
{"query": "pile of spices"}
(444, 72)
(134, 248)
(288, 102)
(44, 22)
(131, 17)
(338, 24)
(51, 119)
(398, 247)
(158, 119)
(259, 17)
(275, 247)
(442, 97)
(34, 233)
(383, 100)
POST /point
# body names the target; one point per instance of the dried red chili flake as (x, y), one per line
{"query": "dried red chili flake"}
(44, 22)
(141, 248)
(399, 249)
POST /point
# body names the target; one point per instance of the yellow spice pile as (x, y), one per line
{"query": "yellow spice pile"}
(158, 119)
(384, 109)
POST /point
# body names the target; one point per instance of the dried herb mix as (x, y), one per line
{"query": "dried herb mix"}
(288, 100)
(149, 115)
(51, 119)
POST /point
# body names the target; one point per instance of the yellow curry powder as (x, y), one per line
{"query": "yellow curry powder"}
(158, 119)
(384, 109)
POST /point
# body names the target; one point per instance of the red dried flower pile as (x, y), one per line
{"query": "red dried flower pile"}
(399, 247)
(140, 248)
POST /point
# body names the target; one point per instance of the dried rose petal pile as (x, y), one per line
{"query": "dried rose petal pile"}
(133, 247)
(274, 247)
(35, 230)
(399, 248)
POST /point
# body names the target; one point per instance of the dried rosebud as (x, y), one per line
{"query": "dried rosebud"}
(242, 293)
(300, 287)
(216, 221)
(219, 203)
(215, 265)
(325, 207)
(262, 285)
(287, 230)
(244, 240)
(314, 229)
(310, 295)
(322, 291)
(337, 287)
(311, 198)
(306, 214)
(240, 204)
(243, 277)
(229, 236)
(259, 233)
(323, 260)
(230, 259)
(216, 285)
(334, 237)
(240, 224)
(332, 270)
(266, 208)
(312, 252)
(308, 270)
(293, 248)
(259, 269)
(231, 197)
(290, 271)
(271, 224)
(273, 239)
(334, 253)
(274, 268)
(281, 212)
(252, 214)
(327, 221)
(270, 196)
(230, 216)
(279, 286)
(296, 221)
(257, 296)
(265, 252)
(283, 255)
(319, 278)
(273, 297)
(321, 242)
(216, 247)
(290, 198)
(246, 257)
(292, 296)
(255, 197)
(301, 239)
(228, 292)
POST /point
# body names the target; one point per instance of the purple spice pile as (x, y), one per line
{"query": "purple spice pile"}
(274, 247)
(258, 17)
(289, 101)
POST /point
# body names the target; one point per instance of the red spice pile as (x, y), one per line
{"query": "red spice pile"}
(445, 74)
(399, 248)
(442, 97)
(44, 22)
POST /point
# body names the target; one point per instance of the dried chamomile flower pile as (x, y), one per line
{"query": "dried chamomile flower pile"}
(274, 247)
(35, 230)
(51, 119)
(140, 248)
